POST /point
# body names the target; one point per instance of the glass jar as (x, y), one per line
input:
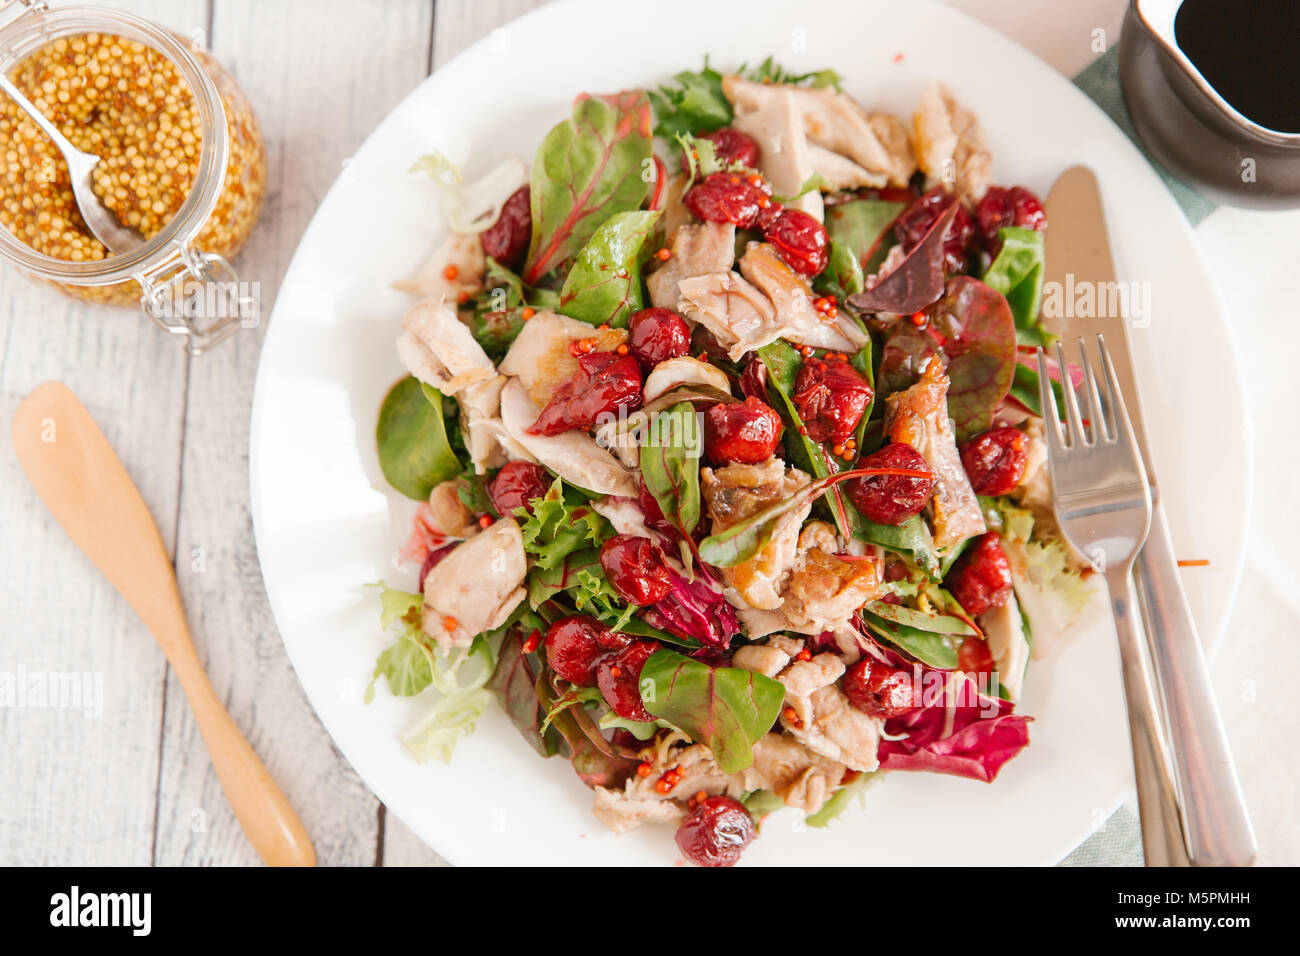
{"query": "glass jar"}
(182, 160)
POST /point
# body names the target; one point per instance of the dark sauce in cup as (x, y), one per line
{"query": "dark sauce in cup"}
(1249, 51)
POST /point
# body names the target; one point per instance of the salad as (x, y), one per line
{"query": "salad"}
(723, 419)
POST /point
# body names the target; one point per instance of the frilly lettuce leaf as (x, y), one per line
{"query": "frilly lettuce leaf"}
(557, 527)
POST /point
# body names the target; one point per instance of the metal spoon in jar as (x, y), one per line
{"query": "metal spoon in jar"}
(103, 225)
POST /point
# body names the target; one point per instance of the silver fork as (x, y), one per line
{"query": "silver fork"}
(1103, 505)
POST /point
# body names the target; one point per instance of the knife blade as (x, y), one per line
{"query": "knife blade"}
(1215, 826)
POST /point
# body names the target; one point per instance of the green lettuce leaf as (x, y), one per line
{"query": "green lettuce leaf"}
(694, 104)
(1017, 273)
(558, 527)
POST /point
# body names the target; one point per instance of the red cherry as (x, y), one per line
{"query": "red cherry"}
(635, 568)
(656, 335)
(506, 240)
(891, 499)
(830, 396)
(995, 461)
(981, 578)
(726, 197)
(746, 432)
(877, 689)
(619, 677)
(604, 383)
(800, 239)
(730, 146)
(516, 485)
(715, 832)
(574, 645)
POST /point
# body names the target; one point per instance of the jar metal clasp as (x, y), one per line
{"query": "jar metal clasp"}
(199, 295)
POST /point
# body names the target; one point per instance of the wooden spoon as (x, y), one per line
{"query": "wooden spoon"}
(76, 473)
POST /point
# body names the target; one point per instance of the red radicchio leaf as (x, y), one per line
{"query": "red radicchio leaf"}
(695, 609)
(973, 327)
(917, 280)
(973, 738)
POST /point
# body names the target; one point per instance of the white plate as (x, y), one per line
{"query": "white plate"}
(326, 524)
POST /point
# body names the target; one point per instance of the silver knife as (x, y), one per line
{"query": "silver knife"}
(1214, 822)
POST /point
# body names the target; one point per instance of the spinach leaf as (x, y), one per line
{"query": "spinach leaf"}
(843, 275)
(587, 169)
(557, 527)
(497, 316)
(921, 621)
(411, 437)
(670, 465)
(863, 226)
(1024, 389)
(695, 105)
(604, 284)
(1017, 273)
(911, 538)
(514, 682)
(937, 650)
(725, 708)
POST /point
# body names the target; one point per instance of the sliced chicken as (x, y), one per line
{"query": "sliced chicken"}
(740, 317)
(573, 455)
(622, 813)
(735, 492)
(827, 724)
(919, 417)
(438, 349)
(796, 316)
(699, 772)
(540, 357)
(837, 122)
(798, 776)
(760, 659)
(430, 282)
(695, 249)
(1005, 632)
(475, 587)
(949, 147)
(675, 212)
(825, 589)
(684, 370)
(777, 126)
(840, 172)
(803, 678)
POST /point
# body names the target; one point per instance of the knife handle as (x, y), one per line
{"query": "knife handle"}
(1217, 825)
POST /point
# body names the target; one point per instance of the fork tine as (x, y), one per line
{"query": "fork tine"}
(1047, 399)
(1101, 430)
(1123, 430)
(1074, 425)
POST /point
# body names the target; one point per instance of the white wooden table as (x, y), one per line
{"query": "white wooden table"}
(131, 783)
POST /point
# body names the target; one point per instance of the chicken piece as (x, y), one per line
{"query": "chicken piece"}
(787, 645)
(835, 121)
(540, 357)
(437, 348)
(1005, 632)
(622, 813)
(740, 317)
(777, 126)
(802, 678)
(475, 587)
(919, 417)
(827, 724)
(447, 511)
(949, 147)
(699, 771)
(683, 370)
(465, 252)
(573, 455)
(826, 588)
(735, 492)
(675, 212)
(760, 659)
(819, 534)
(798, 776)
(696, 249)
(797, 318)
(840, 172)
